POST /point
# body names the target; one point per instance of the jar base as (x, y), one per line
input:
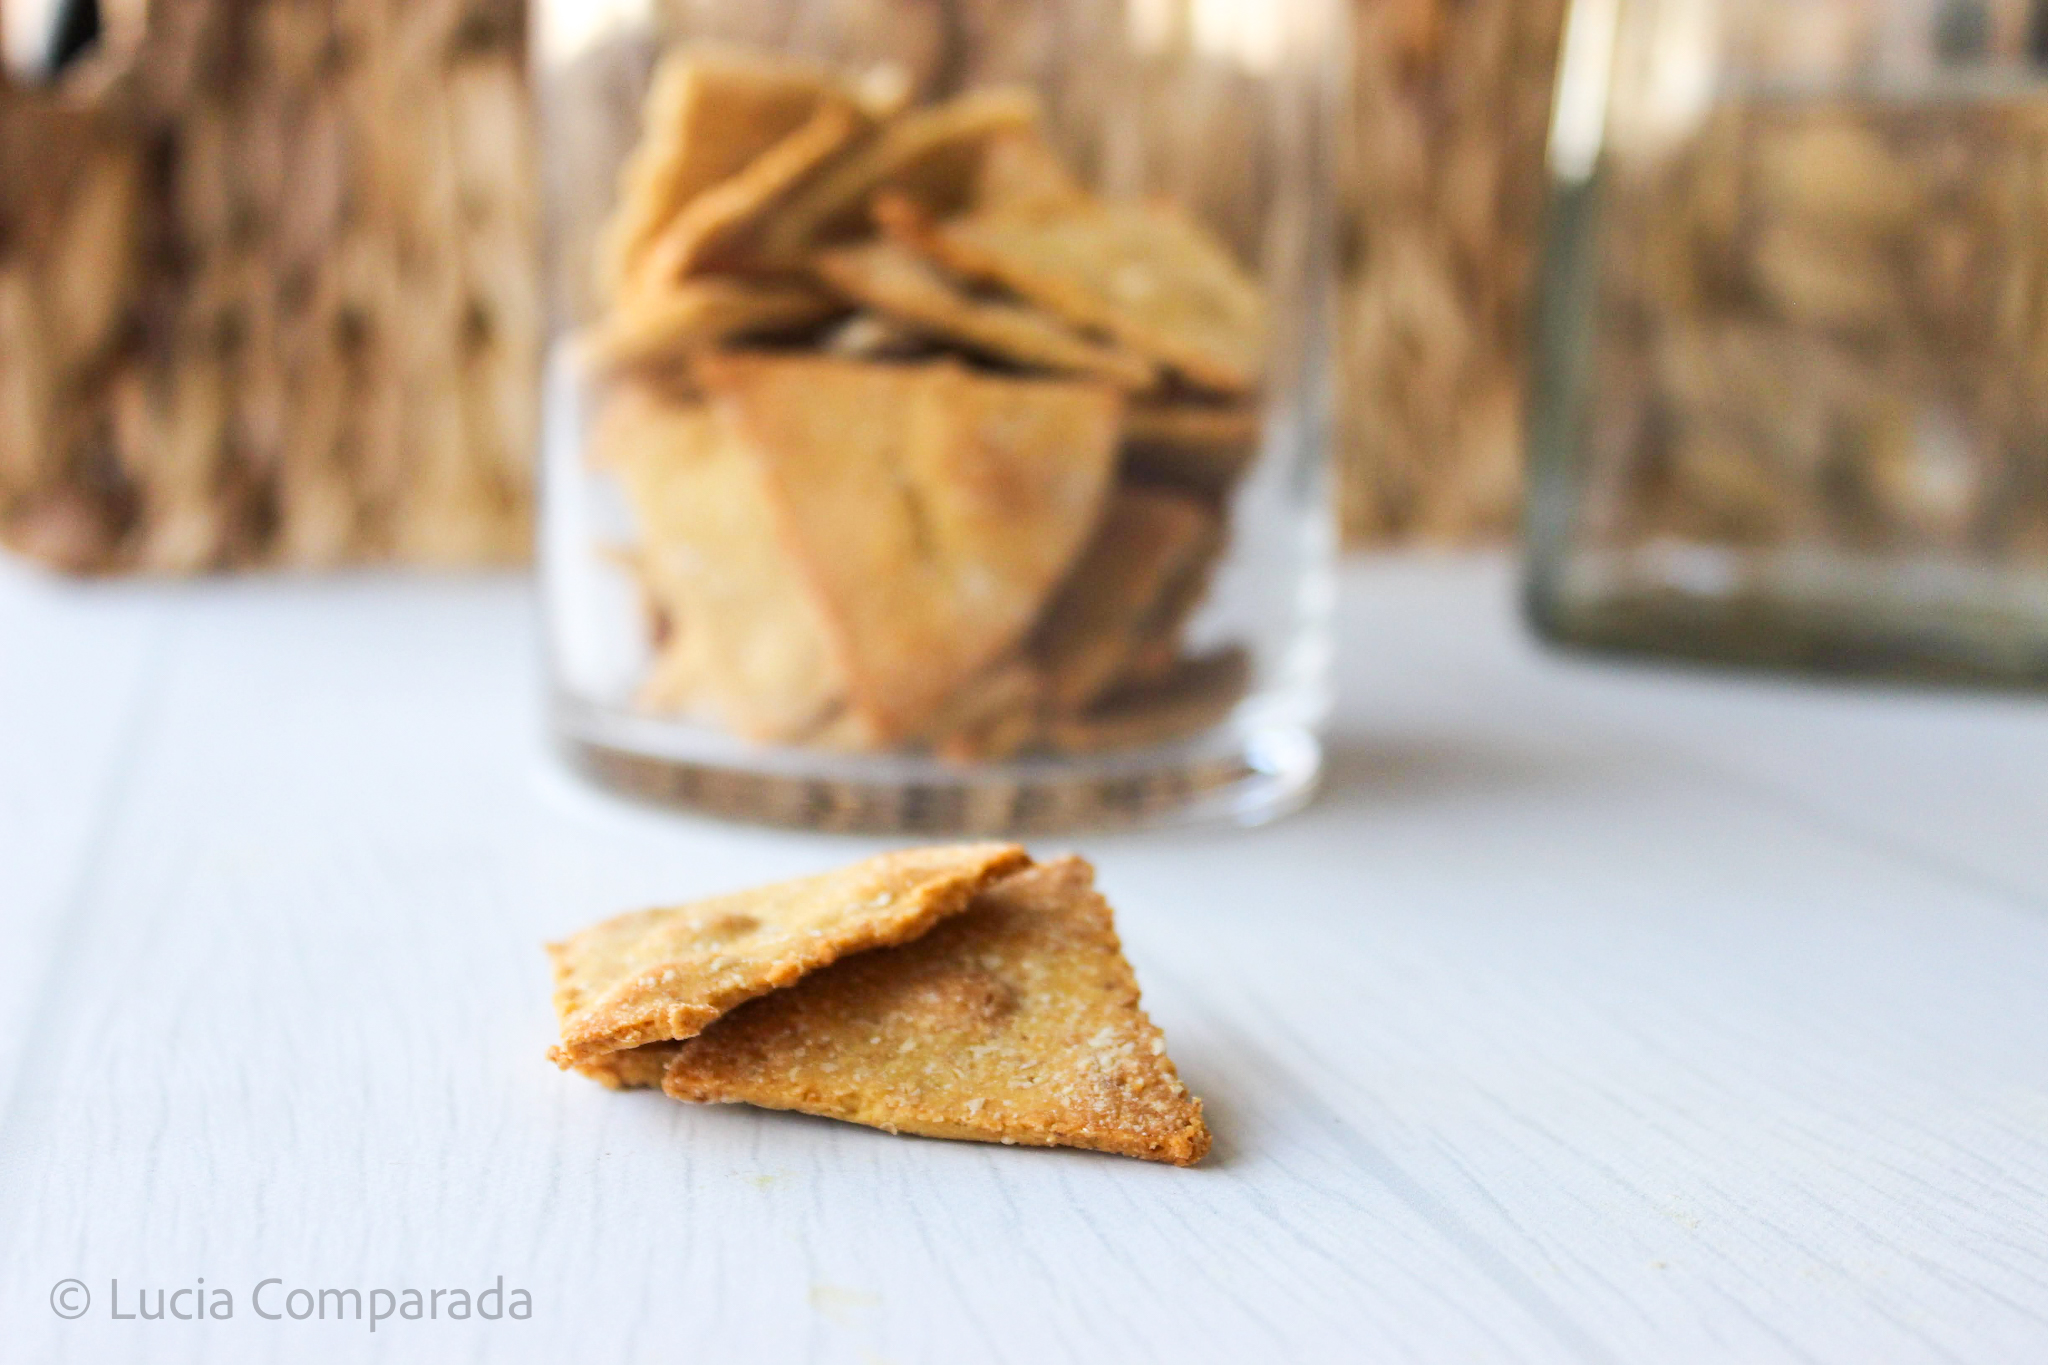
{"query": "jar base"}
(1913, 619)
(1241, 777)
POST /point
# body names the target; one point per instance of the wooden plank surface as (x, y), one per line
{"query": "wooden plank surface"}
(1594, 1014)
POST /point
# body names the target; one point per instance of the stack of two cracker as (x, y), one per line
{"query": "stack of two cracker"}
(928, 447)
(960, 992)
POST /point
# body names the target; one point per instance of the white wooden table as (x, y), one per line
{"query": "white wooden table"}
(1594, 1014)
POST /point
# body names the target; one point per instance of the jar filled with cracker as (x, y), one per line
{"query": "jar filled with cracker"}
(936, 401)
(1792, 377)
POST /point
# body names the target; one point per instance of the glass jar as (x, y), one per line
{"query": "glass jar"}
(1791, 377)
(936, 404)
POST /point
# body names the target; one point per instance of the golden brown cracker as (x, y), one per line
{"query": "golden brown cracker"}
(930, 155)
(933, 509)
(751, 644)
(1146, 537)
(711, 229)
(669, 323)
(1196, 695)
(898, 283)
(709, 112)
(633, 1068)
(1146, 274)
(1017, 1022)
(658, 976)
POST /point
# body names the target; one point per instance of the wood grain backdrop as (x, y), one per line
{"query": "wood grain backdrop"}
(1443, 191)
(266, 294)
(266, 291)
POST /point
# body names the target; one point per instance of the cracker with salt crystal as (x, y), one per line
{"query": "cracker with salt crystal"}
(898, 283)
(654, 977)
(1146, 539)
(933, 510)
(749, 643)
(1017, 1021)
(1143, 273)
(709, 113)
(668, 323)
(930, 155)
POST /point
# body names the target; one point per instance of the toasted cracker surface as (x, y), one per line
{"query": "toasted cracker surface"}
(898, 283)
(635, 1068)
(933, 510)
(748, 642)
(709, 112)
(1146, 274)
(657, 976)
(1146, 540)
(1017, 1022)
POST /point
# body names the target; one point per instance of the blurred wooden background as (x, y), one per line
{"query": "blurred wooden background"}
(1443, 193)
(266, 289)
(265, 292)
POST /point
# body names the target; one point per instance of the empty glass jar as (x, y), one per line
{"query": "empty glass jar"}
(1791, 392)
(936, 406)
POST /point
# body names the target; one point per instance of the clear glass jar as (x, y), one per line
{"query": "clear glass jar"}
(936, 406)
(1791, 380)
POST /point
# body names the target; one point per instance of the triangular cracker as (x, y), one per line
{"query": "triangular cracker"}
(709, 112)
(1146, 274)
(749, 643)
(1147, 539)
(669, 322)
(660, 976)
(930, 155)
(897, 282)
(1016, 1022)
(933, 510)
